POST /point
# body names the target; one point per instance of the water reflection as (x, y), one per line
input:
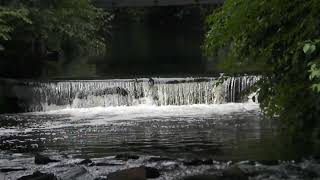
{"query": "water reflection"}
(238, 133)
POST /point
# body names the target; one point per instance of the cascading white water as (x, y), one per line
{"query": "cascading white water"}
(43, 96)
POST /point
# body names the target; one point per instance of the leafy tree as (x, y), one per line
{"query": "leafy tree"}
(269, 36)
(56, 23)
(8, 16)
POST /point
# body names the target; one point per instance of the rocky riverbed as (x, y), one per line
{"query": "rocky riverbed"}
(139, 167)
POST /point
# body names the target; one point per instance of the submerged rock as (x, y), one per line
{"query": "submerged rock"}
(85, 161)
(39, 176)
(126, 157)
(139, 173)
(268, 162)
(77, 173)
(40, 159)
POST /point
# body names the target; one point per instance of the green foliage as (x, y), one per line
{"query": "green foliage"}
(271, 35)
(8, 17)
(54, 23)
(311, 49)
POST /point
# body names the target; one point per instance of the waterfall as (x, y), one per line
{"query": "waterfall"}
(43, 96)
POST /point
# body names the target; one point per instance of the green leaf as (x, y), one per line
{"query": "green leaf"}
(308, 48)
(316, 87)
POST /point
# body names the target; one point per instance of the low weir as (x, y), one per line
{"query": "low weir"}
(52, 95)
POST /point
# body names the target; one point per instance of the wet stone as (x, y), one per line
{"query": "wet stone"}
(39, 176)
(86, 161)
(100, 178)
(231, 173)
(234, 173)
(203, 177)
(77, 173)
(268, 162)
(152, 172)
(40, 159)
(139, 173)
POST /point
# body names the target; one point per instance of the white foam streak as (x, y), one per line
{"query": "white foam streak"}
(148, 112)
(96, 116)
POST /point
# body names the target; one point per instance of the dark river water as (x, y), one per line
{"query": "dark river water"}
(225, 131)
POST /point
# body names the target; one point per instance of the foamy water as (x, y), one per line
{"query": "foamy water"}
(78, 117)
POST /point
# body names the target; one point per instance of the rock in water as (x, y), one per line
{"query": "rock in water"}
(77, 173)
(126, 157)
(139, 173)
(38, 176)
(85, 161)
(269, 162)
(40, 159)
(231, 173)
(152, 172)
(234, 173)
(198, 162)
(158, 159)
(204, 177)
